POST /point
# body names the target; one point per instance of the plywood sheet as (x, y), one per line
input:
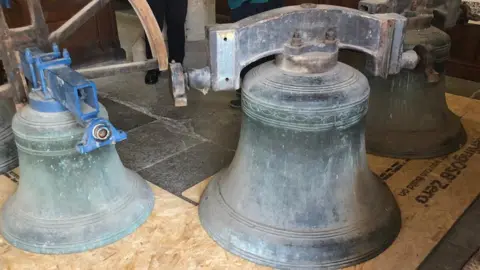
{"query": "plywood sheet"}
(459, 105)
(195, 192)
(172, 238)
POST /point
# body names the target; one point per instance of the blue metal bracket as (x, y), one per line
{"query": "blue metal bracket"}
(99, 132)
(61, 88)
(6, 3)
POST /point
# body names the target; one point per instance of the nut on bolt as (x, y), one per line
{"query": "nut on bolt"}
(101, 132)
(331, 34)
(296, 39)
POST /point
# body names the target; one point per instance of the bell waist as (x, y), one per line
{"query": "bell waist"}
(52, 147)
(49, 142)
(340, 117)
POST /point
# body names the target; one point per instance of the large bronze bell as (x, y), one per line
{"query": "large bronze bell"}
(66, 201)
(408, 115)
(298, 193)
(72, 196)
(8, 150)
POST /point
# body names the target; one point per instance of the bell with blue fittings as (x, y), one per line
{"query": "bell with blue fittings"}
(74, 193)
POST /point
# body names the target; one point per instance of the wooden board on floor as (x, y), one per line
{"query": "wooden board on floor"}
(173, 238)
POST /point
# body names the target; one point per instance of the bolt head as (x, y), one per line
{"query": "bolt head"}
(296, 39)
(101, 132)
(331, 35)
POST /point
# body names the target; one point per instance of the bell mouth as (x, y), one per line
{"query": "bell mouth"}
(60, 234)
(320, 249)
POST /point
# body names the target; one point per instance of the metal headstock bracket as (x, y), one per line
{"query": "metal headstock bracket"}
(233, 46)
(55, 87)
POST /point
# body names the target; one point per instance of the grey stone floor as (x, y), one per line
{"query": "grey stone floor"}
(176, 148)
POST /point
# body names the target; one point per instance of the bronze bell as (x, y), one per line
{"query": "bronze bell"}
(69, 202)
(74, 193)
(298, 193)
(408, 115)
(8, 150)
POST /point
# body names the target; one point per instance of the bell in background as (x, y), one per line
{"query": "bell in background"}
(8, 150)
(298, 193)
(72, 196)
(408, 116)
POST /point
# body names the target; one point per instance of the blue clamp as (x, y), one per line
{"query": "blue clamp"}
(6, 3)
(99, 132)
(56, 87)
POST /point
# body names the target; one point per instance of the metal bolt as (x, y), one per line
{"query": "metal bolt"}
(82, 94)
(101, 132)
(296, 39)
(331, 35)
(66, 54)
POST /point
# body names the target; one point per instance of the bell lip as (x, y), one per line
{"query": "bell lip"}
(435, 150)
(395, 221)
(88, 245)
(269, 263)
